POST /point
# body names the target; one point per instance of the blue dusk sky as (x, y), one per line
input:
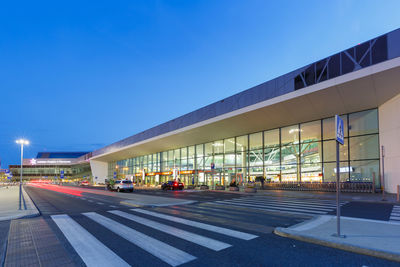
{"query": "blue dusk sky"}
(78, 75)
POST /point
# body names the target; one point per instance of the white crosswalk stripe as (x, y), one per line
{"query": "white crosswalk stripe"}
(282, 204)
(161, 250)
(286, 204)
(212, 228)
(91, 250)
(94, 253)
(188, 236)
(395, 215)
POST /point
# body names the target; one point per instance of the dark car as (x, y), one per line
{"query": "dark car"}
(172, 185)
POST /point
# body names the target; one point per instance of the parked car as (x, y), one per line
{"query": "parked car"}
(85, 183)
(122, 185)
(172, 185)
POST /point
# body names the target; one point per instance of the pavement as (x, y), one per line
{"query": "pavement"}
(213, 231)
(369, 237)
(9, 204)
(299, 223)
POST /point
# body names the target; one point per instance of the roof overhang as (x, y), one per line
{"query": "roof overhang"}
(367, 88)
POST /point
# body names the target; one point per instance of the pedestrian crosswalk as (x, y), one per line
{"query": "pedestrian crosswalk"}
(89, 248)
(176, 235)
(138, 227)
(305, 206)
(395, 215)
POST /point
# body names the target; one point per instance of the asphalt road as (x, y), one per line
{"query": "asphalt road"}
(116, 234)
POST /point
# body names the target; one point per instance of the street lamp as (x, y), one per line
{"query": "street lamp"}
(22, 142)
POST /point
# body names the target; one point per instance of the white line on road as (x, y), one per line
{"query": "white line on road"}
(188, 236)
(314, 204)
(263, 209)
(272, 207)
(163, 251)
(100, 203)
(278, 205)
(91, 250)
(112, 206)
(212, 228)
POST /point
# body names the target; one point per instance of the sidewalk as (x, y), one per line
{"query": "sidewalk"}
(374, 238)
(9, 204)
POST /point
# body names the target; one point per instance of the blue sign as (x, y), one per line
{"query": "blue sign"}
(115, 175)
(339, 125)
(62, 174)
(212, 166)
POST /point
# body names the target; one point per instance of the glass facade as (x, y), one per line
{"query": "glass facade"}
(304, 152)
(77, 171)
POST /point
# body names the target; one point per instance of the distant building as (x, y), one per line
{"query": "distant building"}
(54, 165)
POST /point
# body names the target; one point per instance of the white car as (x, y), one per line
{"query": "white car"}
(123, 185)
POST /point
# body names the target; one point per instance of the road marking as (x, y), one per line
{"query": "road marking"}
(112, 206)
(100, 203)
(163, 251)
(209, 227)
(188, 236)
(272, 208)
(395, 214)
(263, 209)
(294, 206)
(283, 202)
(91, 250)
(83, 198)
(90, 200)
(295, 200)
(310, 203)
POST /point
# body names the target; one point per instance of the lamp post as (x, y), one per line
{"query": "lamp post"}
(22, 142)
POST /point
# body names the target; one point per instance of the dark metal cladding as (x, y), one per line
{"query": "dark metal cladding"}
(371, 52)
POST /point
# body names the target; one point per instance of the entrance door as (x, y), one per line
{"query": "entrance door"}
(209, 179)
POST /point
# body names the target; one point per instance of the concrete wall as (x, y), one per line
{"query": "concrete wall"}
(99, 170)
(389, 137)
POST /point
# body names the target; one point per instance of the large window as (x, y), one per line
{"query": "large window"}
(303, 152)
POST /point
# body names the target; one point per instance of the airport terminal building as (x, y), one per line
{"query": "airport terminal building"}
(282, 129)
(56, 166)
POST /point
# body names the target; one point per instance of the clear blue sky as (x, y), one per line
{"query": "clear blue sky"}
(78, 75)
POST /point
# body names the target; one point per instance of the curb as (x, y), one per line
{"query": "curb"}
(356, 249)
(30, 205)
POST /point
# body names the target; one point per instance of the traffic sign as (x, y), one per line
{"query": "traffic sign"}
(115, 175)
(62, 174)
(212, 166)
(339, 129)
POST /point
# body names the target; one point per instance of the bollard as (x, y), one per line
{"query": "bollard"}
(398, 193)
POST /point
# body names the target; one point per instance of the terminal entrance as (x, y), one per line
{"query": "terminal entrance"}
(187, 179)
